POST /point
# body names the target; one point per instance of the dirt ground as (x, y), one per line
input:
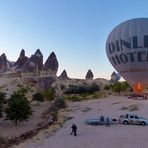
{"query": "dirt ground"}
(8, 129)
(115, 136)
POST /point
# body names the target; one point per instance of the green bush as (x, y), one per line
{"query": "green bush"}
(49, 94)
(73, 98)
(38, 97)
(23, 90)
(82, 89)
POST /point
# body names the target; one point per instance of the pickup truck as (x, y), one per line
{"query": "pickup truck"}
(133, 119)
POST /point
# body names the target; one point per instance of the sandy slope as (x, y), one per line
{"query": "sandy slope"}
(116, 136)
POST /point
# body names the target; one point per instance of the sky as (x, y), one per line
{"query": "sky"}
(76, 30)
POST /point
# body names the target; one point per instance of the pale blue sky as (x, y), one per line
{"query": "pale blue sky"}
(76, 30)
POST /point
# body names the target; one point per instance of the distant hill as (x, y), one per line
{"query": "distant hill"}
(31, 72)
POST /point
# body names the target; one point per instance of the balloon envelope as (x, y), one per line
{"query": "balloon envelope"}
(118, 76)
(115, 77)
(127, 50)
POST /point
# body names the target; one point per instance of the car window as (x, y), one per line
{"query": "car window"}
(136, 117)
(131, 117)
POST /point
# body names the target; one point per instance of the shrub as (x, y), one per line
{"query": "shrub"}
(49, 94)
(23, 90)
(60, 103)
(75, 89)
(38, 97)
(73, 98)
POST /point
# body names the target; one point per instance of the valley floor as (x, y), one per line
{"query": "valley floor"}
(115, 136)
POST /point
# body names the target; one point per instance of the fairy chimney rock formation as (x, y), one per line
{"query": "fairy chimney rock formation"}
(51, 64)
(29, 65)
(89, 75)
(34, 63)
(3, 63)
(63, 75)
(21, 60)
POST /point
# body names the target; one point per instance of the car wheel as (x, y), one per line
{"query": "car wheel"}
(97, 123)
(143, 123)
(93, 123)
(125, 122)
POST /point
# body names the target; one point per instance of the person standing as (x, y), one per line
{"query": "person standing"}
(107, 122)
(74, 129)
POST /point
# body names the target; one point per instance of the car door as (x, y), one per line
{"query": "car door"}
(131, 119)
(137, 120)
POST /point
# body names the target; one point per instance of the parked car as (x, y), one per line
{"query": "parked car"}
(100, 121)
(93, 121)
(133, 119)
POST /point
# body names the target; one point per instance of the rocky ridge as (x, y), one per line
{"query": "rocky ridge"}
(33, 64)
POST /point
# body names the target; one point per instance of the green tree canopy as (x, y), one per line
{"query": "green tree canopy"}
(18, 108)
(120, 86)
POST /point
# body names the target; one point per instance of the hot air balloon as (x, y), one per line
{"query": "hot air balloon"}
(115, 77)
(127, 50)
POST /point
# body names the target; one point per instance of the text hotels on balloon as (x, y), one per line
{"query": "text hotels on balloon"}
(127, 50)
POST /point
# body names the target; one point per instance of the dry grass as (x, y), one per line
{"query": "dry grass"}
(131, 108)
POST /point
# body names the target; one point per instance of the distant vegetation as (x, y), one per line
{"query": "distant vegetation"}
(81, 97)
(117, 87)
(18, 109)
(131, 108)
(82, 89)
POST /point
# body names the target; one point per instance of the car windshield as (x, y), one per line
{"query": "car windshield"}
(141, 118)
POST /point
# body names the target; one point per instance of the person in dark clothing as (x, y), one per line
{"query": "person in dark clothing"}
(72, 127)
(74, 130)
(107, 122)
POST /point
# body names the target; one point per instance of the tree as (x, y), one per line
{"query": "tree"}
(38, 97)
(117, 87)
(120, 86)
(2, 102)
(125, 85)
(18, 108)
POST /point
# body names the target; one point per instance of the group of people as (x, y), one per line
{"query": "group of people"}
(74, 127)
